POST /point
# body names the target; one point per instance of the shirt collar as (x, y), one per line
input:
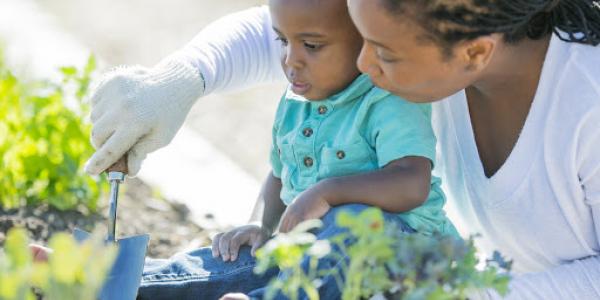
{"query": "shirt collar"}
(359, 87)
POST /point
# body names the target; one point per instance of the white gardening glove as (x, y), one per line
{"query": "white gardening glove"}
(137, 110)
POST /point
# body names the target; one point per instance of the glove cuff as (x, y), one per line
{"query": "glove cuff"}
(180, 80)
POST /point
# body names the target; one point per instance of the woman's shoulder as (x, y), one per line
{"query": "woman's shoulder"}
(573, 114)
(573, 74)
(583, 68)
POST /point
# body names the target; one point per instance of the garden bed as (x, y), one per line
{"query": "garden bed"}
(168, 222)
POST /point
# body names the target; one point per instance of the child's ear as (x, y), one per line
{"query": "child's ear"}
(476, 54)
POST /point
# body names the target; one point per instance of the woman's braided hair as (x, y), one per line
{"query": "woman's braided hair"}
(450, 21)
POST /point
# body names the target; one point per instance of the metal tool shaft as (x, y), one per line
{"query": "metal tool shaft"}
(115, 179)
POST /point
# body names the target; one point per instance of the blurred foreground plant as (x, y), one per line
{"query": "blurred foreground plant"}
(73, 271)
(45, 140)
(286, 251)
(379, 260)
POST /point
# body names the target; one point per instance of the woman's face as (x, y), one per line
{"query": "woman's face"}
(400, 59)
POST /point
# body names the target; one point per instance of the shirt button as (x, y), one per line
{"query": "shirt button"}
(308, 161)
(341, 154)
(307, 132)
(322, 109)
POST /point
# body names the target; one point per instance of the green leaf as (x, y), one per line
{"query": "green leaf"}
(65, 260)
(68, 71)
(90, 66)
(44, 142)
(16, 242)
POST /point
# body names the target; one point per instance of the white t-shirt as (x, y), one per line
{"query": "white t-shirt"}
(541, 209)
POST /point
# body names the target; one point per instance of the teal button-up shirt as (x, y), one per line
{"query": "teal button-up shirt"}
(360, 129)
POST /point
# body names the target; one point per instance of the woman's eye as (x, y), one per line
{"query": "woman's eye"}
(386, 59)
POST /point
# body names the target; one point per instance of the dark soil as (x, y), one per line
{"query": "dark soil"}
(168, 223)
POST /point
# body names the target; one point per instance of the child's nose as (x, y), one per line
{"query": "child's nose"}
(293, 58)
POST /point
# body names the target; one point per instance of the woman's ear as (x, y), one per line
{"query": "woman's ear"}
(477, 53)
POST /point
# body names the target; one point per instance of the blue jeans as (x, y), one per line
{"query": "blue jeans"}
(197, 275)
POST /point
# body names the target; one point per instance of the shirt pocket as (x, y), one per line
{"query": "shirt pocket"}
(288, 164)
(346, 159)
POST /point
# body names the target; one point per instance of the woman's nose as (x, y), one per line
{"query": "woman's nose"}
(366, 62)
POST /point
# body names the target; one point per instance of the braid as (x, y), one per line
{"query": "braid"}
(451, 21)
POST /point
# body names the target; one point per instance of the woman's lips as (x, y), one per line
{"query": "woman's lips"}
(300, 88)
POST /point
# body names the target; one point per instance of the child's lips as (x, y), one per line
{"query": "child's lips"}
(300, 88)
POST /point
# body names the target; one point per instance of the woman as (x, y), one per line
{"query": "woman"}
(517, 91)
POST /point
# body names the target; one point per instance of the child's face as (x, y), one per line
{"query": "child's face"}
(320, 45)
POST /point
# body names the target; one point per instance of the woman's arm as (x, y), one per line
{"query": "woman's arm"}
(236, 51)
(579, 279)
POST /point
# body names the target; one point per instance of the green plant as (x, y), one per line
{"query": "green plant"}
(44, 141)
(370, 250)
(73, 271)
(438, 268)
(411, 266)
(286, 251)
(382, 260)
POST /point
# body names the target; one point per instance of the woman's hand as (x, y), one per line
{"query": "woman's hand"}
(310, 204)
(227, 244)
(137, 110)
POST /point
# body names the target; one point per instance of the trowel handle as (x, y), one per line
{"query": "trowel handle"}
(116, 175)
(119, 166)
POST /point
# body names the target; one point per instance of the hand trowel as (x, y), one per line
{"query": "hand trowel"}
(124, 278)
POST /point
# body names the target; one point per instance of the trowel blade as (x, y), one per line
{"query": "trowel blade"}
(125, 276)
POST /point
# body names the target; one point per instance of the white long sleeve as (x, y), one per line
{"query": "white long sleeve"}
(576, 280)
(236, 51)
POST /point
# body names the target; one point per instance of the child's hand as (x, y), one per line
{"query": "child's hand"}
(39, 253)
(227, 245)
(308, 205)
(234, 296)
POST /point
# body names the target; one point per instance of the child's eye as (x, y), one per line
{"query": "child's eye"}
(283, 41)
(311, 46)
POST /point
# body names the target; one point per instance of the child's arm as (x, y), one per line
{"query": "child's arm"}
(274, 207)
(227, 244)
(400, 186)
(404, 143)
